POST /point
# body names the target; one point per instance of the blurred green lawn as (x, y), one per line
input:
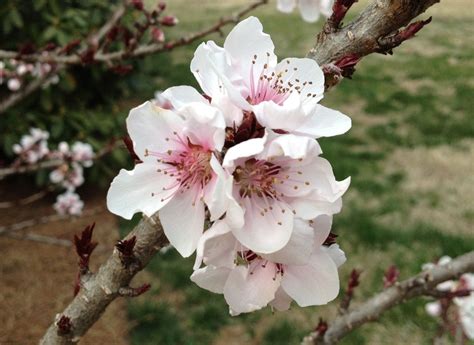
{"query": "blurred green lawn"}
(409, 153)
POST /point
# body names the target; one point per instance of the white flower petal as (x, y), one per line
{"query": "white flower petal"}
(286, 6)
(309, 10)
(325, 122)
(211, 278)
(183, 222)
(298, 249)
(249, 289)
(306, 77)
(336, 253)
(265, 231)
(314, 284)
(322, 228)
(204, 125)
(244, 149)
(206, 56)
(216, 247)
(282, 301)
(233, 114)
(179, 96)
(292, 146)
(244, 42)
(139, 190)
(149, 126)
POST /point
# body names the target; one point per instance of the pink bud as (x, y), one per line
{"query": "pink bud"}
(169, 21)
(158, 35)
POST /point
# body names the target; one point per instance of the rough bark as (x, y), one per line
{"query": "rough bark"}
(362, 36)
(422, 284)
(100, 289)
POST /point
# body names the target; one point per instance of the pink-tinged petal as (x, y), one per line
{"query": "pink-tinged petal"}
(309, 10)
(183, 221)
(433, 308)
(216, 247)
(149, 126)
(179, 96)
(204, 125)
(268, 225)
(251, 288)
(336, 253)
(291, 146)
(325, 122)
(298, 249)
(306, 79)
(244, 42)
(211, 278)
(282, 301)
(314, 284)
(245, 149)
(322, 227)
(140, 190)
(310, 208)
(286, 6)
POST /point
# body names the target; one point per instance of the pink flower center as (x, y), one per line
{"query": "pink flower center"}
(189, 165)
(261, 178)
(275, 86)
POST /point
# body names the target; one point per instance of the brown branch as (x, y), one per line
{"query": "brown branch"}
(27, 200)
(141, 50)
(16, 97)
(108, 283)
(420, 285)
(377, 29)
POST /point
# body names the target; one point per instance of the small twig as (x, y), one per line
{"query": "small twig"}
(423, 284)
(8, 229)
(352, 284)
(134, 292)
(40, 239)
(140, 50)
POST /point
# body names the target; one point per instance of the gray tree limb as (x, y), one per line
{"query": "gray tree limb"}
(100, 289)
(422, 284)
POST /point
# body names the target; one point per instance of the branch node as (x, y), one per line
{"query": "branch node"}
(134, 292)
(125, 248)
(64, 325)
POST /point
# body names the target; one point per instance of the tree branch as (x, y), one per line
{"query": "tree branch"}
(377, 29)
(141, 50)
(422, 284)
(111, 281)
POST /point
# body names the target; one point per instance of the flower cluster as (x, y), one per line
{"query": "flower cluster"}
(69, 175)
(14, 73)
(310, 10)
(463, 306)
(243, 158)
(32, 147)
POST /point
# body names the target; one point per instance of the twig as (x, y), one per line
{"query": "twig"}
(140, 50)
(8, 229)
(27, 200)
(377, 29)
(15, 97)
(422, 284)
(40, 239)
(107, 284)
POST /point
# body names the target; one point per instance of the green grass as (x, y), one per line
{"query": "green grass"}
(394, 115)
